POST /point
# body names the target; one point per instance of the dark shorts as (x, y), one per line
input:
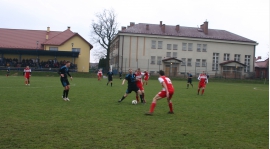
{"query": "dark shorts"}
(132, 88)
(189, 81)
(64, 82)
(109, 78)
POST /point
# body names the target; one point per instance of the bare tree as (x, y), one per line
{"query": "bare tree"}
(104, 29)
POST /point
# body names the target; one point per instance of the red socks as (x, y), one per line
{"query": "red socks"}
(137, 98)
(152, 108)
(170, 106)
(202, 91)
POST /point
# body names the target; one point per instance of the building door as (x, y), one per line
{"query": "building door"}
(167, 70)
(174, 71)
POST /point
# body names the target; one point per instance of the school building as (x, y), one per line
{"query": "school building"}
(178, 49)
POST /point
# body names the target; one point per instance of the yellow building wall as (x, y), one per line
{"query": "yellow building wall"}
(84, 58)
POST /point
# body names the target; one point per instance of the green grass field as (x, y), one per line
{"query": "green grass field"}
(229, 115)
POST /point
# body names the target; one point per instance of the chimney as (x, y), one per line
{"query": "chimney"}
(48, 29)
(202, 26)
(163, 28)
(259, 57)
(123, 28)
(68, 27)
(205, 28)
(132, 24)
(177, 28)
(147, 27)
(160, 23)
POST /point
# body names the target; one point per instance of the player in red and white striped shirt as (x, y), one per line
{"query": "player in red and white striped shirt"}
(99, 74)
(167, 92)
(146, 77)
(203, 80)
(27, 75)
(139, 75)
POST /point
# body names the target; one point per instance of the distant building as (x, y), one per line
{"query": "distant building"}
(45, 45)
(178, 49)
(262, 69)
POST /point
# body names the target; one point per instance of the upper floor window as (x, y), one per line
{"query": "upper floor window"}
(175, 47)
(159, 44)
(204, 48)
(198, 47)
(169, 46)
(226, 56)
(53, 48)
(237, 57)
(189, 61)
(153, 46)
(184, 46)
(203, 62)
(190, 46)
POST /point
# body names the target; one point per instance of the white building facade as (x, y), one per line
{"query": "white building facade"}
(178, 50)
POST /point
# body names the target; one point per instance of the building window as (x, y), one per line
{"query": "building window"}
(226, 56)
(189, 61)
(183, 61)
(175, 54)
(53, 48)
(153, 59)
(203, 62)
(190, 45)
(76, 50)
(159, 60)
(153, 44)
(169, 46)
(159, 44)
(168, 54)
(175, 47)
(237, 57)
(215, 61)
(247, 62)
(184, 46)
(198, 47)
(204, 48)
(198, 63)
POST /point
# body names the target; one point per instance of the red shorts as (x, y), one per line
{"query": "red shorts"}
(162, 94)
(27, 77)
(202, 85)
(140, 86)
(146, 78)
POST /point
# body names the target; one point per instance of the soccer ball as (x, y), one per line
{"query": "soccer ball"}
(134, 102)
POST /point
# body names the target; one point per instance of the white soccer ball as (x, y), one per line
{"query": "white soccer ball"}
(134, 102)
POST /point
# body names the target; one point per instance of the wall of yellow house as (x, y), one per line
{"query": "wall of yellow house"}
(84, 58)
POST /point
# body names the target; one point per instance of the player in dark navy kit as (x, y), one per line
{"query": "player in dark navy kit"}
(131, 78)
(189, 81)
(110, 77)
(64, 80)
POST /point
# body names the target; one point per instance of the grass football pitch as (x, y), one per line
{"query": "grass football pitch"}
(228, 115)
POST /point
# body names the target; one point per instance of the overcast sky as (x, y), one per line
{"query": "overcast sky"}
(247, 18)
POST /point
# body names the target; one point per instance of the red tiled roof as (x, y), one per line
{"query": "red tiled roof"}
(262, 64)
(190, 32)
(232, 61)
(27, 39)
